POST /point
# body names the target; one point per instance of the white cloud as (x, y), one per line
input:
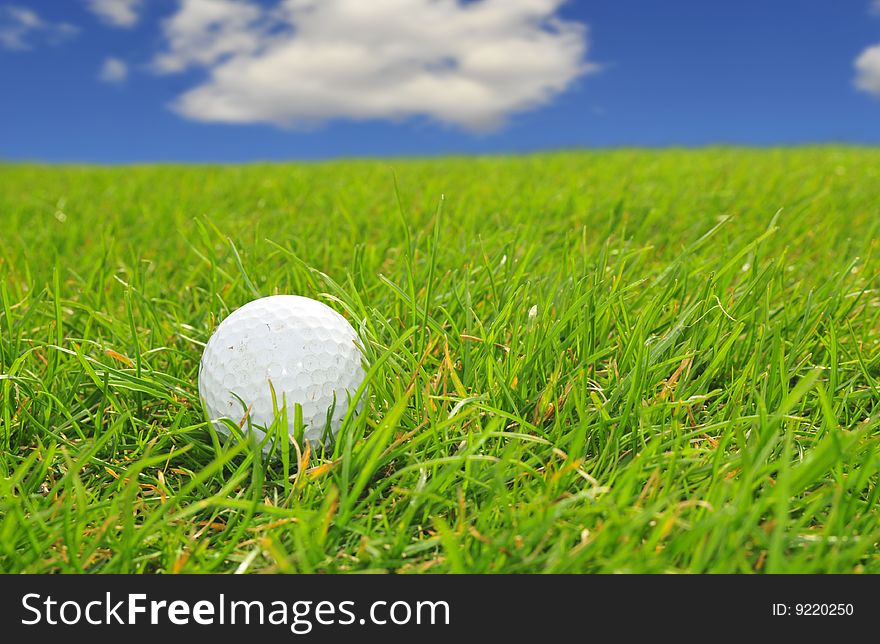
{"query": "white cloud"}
(113, 70)
(204, 31)
(302, 62)
(868, 70)
(20, 27)
(117, 13)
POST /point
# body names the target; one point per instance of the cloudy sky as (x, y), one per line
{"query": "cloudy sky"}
(230, 80)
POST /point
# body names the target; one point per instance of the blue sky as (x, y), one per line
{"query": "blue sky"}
(234, 80)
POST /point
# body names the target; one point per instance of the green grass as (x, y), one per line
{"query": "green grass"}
(582, 362)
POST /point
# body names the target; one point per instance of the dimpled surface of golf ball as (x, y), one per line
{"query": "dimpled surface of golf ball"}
(305, 349)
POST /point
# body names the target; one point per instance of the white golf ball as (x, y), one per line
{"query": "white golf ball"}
(299, 347)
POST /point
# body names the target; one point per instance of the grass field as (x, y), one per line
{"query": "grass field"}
(626, 361)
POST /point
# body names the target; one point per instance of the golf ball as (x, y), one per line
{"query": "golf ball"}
(300, 348)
